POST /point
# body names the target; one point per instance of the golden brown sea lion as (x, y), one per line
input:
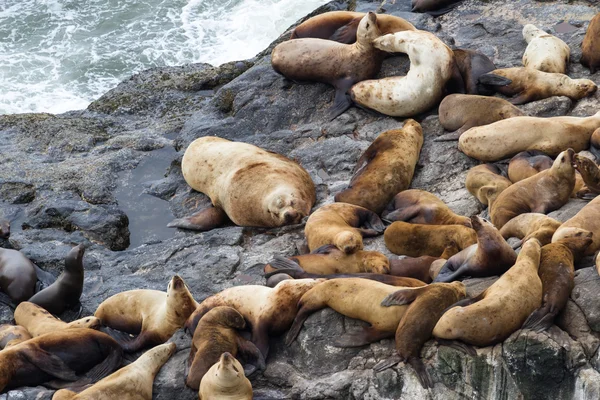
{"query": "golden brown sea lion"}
(528, 84)
(340, 65)
(590, 48)
(248, 185)
(587, 220)
(151, 314)
(77, 356)
(218, 332)
(590, 173)
(486, 183)
(38, 321)
(557, 270)
(472, 64)
(545, 52)
(528, 163)
(499, 310)
(132, 382)
(508, 137)
(420, 207)
(490, 256)
(225, 381)
(11, 335)
(385, 168)
(415, 240)
(461, 112)
(268, 311)
(17, 275)
(530, 225)
(343, 225)
(542, 193)
(341, 26)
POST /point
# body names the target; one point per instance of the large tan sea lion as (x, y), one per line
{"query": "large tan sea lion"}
(38, 321)
(590, 48)
(585, 220)
(545, 52)
(486, 182)
(225, 381)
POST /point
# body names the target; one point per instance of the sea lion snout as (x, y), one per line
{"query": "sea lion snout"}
(291, 216)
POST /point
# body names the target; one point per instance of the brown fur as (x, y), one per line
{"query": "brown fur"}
(413, 267)
(39, 321)
(585, 220)
(590, 48)
(17, 275)
(531, 225)
(11, 335)
(485, 182)
(526, 164)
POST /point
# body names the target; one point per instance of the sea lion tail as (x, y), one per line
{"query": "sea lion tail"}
(539, 320)
(494, 80)
(282, 265)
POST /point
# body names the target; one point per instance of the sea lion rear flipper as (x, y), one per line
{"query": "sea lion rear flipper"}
(204, 220)
(366, 336)
(106, 367)
(521, 98)
(421, 372)
(250, 354)
(302, 315)
(44, 277)
(282, 265)
(518, 244)
(260, 337)
(370, 224)
(50, 364)
(341, 101)
(385, 364)
(539, 320)
(494, 80)
(449, 272)
(347, 33)
(405, 214)
(325, 249)
(457, 345)
(586, 194)
(448, 137)
(402, 297)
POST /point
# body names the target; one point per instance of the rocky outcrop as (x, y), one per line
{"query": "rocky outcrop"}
(62, 176)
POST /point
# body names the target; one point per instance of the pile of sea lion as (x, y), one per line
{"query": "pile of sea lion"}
(412, 299)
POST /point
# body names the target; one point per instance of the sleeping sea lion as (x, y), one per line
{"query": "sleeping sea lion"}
(590, 48)
(225, 381)
(38, 321)
(545, 52)
(486, 183)
(528, 163)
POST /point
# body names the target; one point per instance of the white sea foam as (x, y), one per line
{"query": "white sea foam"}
(57, 56)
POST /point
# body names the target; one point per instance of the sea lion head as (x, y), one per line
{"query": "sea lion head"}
(375, 262)
(73, 261)
(564, 163)
(4, 229)
(229, 371)
(585, 87)
(577, 241)
(285, 208)
(584, 165)
(179, 296)
(531, 31)
(368, 30)
(349, 242)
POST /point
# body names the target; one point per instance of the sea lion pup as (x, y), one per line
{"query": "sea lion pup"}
(542, 193)
(431, 67)
(341, 26)
(528, 84)
(355, 298)
(343, 225)
(17, 275)
(486, 183)
(590, 48)
(340, 65)
(78, 356)
(499, 310)
(508, 137)
(545, 52)
(590, 174)
(225, 380)
(4, 228)
(434, 7)
(66, 290)
(427, 305)
(528, 163)
(461, 112)
(416, 240)
(585, 220)
(38, 321)
(530, 225)
(472, 64)
(11, 335)
(151, 314)
(133, 381)
(248, 185)
(268, 311)
(217, 333)
(385, 168)
(490, 256)
(557, 269)
(420, 207)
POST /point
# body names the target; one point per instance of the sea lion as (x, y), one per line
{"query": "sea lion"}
(343, 225)
(217, 333)
(151, 314)
(490, 256)
(590, 48)
(341, 26)
(508, 137)
(436, 267)
(590, 174)
(472, 64)
(340, 65)
(225, 381)
(427, 305)
(434, 7)
(557, 270)
(248, 185)
(420, 207)
(486, 183)
(413, 267)
(355, 298)
(66, 290)
(542, 193)
(528, 163)
(415, 240)
(17, 275)
(268, 311)
(132, 382)
(499, 310)
(385, 168)
(595, 144)
(545, 52)
(38, 321)
(461, 112)
(78, 356)
(4, 228)
(587, 220)
(530, 225)
(528, 84)
(431, 67)
(11, 335)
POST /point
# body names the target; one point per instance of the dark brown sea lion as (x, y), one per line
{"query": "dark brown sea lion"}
(67, 289)
(340, 65)
(78, 356)
(218, 332)
(420, 207)
(17, 275)
(591, 176)
(590, 48)
(11, 335)
(341, 26)
(557, 269)
(528, 163)
(434, 7)
(385, 168)
(486, 183)
(472, 64)
(490, 256)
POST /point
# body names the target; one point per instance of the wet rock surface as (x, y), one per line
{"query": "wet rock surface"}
(62, 183)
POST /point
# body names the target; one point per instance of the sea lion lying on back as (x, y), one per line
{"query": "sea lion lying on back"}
(17, 275)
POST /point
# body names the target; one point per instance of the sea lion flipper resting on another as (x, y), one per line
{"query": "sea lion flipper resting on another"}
(347, 33)
(402, 297)
(284, 265)
(203, 220)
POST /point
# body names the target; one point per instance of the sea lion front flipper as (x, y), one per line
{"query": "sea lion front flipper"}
(251, 355)
(50, 364)
(301, 316)
(341, 102)
(325, 249)
(402, 297)
(540, 319)
(204, 220)
(347, 33)
(260, 337)
(385, 364)
(406, 214)
(494, 80)
(457, 345)
(370, 224)
(421, 372)
(282, 265)
(44, 277)
(106, 367)
(366, 336)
